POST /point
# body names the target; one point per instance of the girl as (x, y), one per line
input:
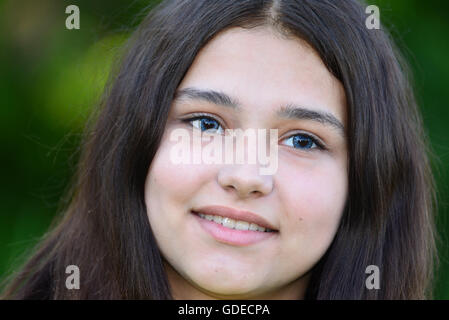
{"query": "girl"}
(347, 214)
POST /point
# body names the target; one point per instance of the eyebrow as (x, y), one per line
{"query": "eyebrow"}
(289, 111)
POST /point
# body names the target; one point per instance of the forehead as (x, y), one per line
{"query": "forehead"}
(264, 70)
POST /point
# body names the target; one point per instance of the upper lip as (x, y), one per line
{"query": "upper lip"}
(236, 215)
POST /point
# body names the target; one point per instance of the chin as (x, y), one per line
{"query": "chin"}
(230, 292)
(226, 288)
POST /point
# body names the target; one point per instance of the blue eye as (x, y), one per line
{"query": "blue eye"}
(300, 141)
(303, 142)
(206, 124)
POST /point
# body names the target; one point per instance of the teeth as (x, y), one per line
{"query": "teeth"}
(253, 227)
(234, 224)
(228, 223)
(242, 225)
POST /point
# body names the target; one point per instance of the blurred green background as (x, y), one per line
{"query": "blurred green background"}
(50, 77)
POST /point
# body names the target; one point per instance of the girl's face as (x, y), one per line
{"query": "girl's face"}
(302, 201)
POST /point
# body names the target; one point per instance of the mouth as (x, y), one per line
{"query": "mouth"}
(234, 227)
(232, 223)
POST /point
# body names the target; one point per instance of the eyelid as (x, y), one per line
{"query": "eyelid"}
(201, 114)
(319, 143)
(196, 115)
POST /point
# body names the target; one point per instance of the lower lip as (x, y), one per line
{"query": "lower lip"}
(233, 236)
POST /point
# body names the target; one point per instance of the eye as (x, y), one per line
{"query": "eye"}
(205, 123)
(304, 141)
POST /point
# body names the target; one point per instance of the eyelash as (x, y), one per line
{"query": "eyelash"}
(314, 140)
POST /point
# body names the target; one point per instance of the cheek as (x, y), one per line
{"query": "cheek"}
(170, 186)
(171, 181)
(313, 197)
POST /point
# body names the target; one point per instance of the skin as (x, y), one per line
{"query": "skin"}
(304, 199)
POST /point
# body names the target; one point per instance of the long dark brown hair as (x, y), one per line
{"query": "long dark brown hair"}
(388, 218)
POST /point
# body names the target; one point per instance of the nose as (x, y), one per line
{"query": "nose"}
(245, 180)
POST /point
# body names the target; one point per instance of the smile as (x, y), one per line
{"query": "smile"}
(234, 224)
(234, 227)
